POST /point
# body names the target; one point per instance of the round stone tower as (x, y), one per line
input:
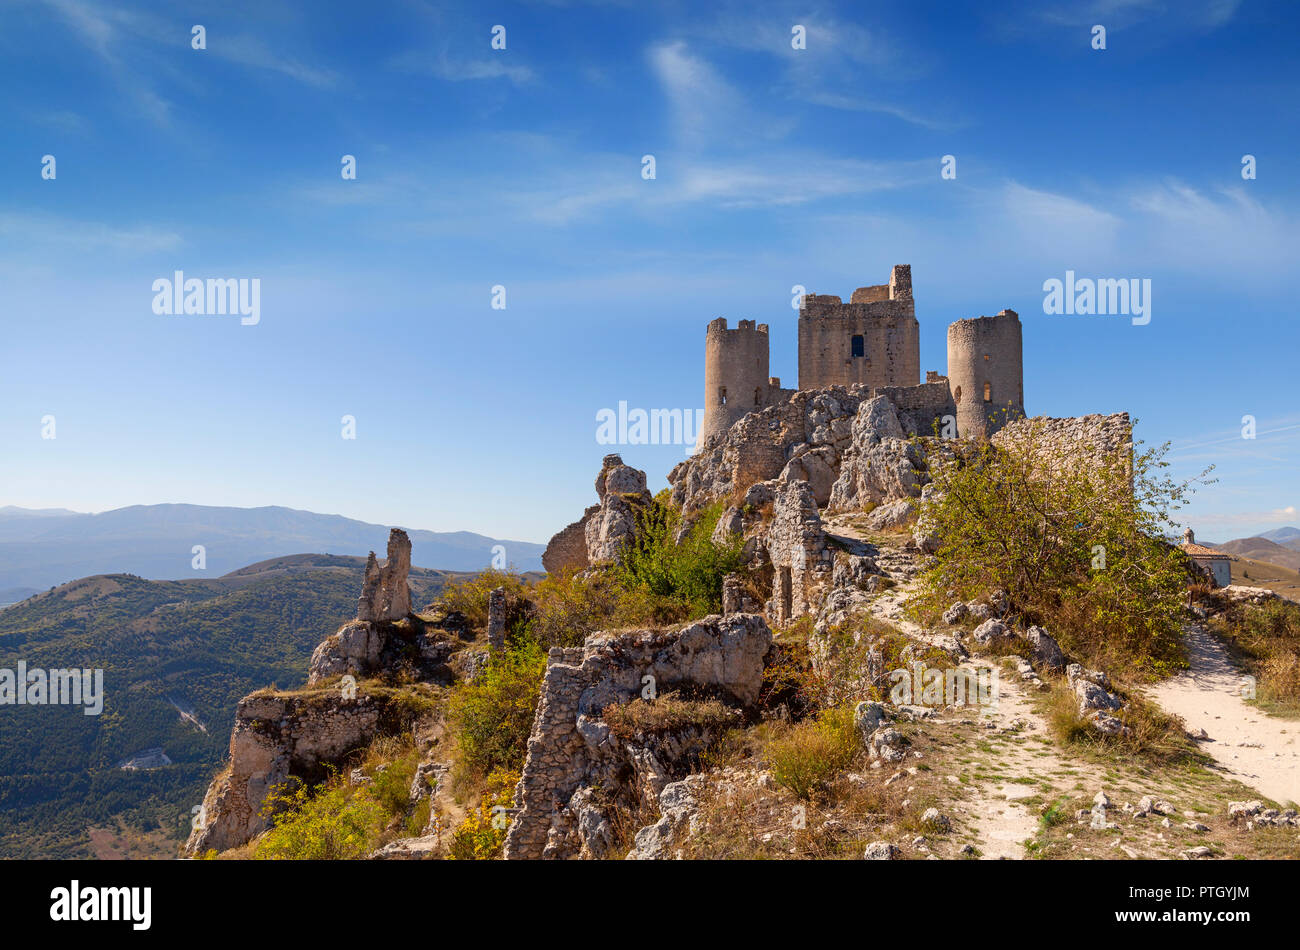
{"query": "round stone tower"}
(735, 374)
(985, 373)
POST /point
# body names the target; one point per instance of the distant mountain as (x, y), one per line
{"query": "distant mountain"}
(14, 511)
(45, 547)
(177, 656)
(1262, 549)
(1284, 536)
(11, 595)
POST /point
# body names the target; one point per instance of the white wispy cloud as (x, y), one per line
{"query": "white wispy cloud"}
(42, 229)
(128, 43)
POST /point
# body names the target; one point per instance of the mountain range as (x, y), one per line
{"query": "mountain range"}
(1277, 547)
(177, 655)
(41, 548)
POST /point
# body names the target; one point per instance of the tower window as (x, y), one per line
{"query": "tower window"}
(988, 392)
(722, 395)
(758, 396)
(956, 395)
(859, 346)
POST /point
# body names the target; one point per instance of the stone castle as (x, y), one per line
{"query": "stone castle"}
(873, 341)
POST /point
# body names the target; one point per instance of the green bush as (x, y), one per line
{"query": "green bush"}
(470, 596)
(1011, 518)
(687, 574)
(492, 716)
(811, 754)
(337, 823)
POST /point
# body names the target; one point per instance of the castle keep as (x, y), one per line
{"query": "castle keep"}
(874, 340)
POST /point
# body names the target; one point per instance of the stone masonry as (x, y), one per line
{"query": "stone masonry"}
(569, 741)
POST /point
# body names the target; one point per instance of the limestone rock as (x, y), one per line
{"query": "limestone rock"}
(567, 752)
(622, 491)
(991, 630)
(881, 851)
(677, 813)
(386, 595)
(1047, 652)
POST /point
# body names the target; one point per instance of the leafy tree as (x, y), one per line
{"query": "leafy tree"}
(1077, 541)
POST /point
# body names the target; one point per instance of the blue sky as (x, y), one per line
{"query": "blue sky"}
(522, 168)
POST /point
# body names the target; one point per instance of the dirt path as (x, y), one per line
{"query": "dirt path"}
(1014, 765)
(1257, 749)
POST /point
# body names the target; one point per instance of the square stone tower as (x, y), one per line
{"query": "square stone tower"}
(874, 339)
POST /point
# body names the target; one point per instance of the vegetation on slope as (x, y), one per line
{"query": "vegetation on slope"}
(1078, 548)
(202, 643)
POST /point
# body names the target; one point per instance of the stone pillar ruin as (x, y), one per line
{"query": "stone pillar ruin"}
(496, 628)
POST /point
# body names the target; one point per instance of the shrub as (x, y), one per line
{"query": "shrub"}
(667, 713)
(811, 754)
(470, 596)
(569, 608)
(337, 823)
(482, 835)
(1266, 637)
(492, 716)
(1011, 519)
(687, 576)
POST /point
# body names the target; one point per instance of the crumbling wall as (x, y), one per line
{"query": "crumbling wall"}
(1061, 445)
(570, 749)
(568, 548)
(802, 561)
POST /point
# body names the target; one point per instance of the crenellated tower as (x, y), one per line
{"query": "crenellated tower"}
(736, 377)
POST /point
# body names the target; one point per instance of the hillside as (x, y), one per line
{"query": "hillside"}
(177, 656)
(39, 549)
(1262, 549)
(1275, 577)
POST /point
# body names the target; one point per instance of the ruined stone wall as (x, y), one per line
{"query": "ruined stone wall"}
(570, 747)
(568, 548)
(920, 407)
(1065, 444)
(736, 377)
(277, 737)
(802, 561)
(986, 351)
(885, 318)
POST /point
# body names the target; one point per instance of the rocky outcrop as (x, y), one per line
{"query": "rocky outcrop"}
(277, 738)
(622, 492)
(386, 595)
(802, 438)
(572, 751)
(880, 464)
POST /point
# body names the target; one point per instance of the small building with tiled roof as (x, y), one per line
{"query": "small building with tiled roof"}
(1215, 563)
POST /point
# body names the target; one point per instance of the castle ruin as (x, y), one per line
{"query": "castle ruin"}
(874, 341)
